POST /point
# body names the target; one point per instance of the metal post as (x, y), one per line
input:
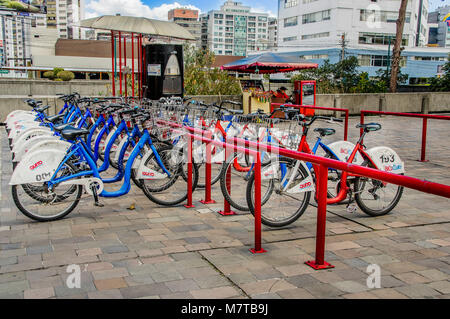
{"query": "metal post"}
(132, 64)
(125, 63)
(424, 140)
(120, 62)
(226, 206)
(258, 249)
(322, 188)
(144, 64)
(189, 177)
(208, 199)
(346, 126)
(113, 61)
(361, 130)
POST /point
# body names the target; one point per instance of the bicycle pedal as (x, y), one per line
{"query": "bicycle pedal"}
(351, 208)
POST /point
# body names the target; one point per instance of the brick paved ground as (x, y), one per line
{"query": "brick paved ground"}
(159, 252)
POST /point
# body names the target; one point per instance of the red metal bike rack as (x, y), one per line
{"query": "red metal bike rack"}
(208, 199)
(424, 118)
(322, 177)
(345, 111)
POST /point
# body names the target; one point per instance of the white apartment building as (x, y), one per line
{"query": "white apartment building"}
(64, 16)
(15, 42)
(273, 33)
(365, 23)
(234, 30)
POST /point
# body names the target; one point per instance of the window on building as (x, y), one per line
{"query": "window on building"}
(316, 16)
(290, 3)
(377, 60)
(315, 35)
(380, 39)
(382, 16)
(289, 22)
(287, 39)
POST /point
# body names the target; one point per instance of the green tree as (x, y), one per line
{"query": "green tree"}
(200, 78)
(442, 84)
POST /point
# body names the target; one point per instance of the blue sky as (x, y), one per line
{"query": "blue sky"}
(157, 9)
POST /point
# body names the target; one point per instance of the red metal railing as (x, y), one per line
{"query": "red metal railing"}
(346, 111)
(424, 118)
(322, 166)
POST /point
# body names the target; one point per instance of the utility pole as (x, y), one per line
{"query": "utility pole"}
(343, 44)
(397, 46)
(389, 57)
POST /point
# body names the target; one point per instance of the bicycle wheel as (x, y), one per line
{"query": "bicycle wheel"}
(374, 197)
(233, 192)
(172, 190)
(284, 206)
(48, 205)
(216, 163)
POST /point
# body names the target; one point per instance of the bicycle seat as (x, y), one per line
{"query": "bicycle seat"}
(325, 131)
(71, 133)
(370, 127)
(55, 118)
(42, 109)
(61, 127)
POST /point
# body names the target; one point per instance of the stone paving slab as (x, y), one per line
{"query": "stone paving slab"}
(161, 252)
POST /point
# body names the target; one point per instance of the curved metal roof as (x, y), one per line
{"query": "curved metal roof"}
(138, 25)
(269, 62)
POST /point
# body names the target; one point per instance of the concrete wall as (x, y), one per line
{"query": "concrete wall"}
(28, 87)
(390, 102)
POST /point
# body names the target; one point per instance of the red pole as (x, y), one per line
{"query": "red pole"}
(258, 249)
(361, 130)
(125, 62)
(144, 66)
(208, 199)
(189, 177)
(226, 206)
(132, 64)
(120, 61)
(139, 65)
(424, 140)
(322, 189)
(346, 126)
(113, 58)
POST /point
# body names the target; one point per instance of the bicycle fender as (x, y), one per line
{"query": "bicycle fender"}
(386, 159)
(37, 167)
(27, 134)
(143, 172)
(24, 147)
(17, 114)
(55, 144)
(108, 138)
(343, 150)
(19, 118)
(18, 129)
(119, 148)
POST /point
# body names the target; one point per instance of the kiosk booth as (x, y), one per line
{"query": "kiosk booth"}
(153, 70)
(270, 63)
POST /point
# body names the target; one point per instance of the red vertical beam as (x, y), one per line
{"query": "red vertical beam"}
(346, 126)
(125, 62)
(189, 175)
(208, 199)
(113, 58)
(424, 140)
(120, 62)
(226, 206)
(258, 248)
(132, 64)
(322, 188)
(144, 66)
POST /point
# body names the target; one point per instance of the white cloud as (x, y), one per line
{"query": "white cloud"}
(136, 8)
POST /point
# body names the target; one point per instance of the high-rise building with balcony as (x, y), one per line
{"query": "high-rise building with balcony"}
(234, 30)
(188, 19)
(64, 16)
